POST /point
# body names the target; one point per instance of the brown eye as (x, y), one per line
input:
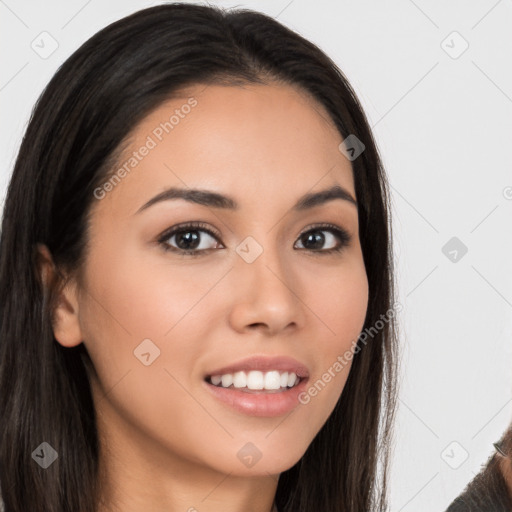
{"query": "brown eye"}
(189, 239)
(315, 239)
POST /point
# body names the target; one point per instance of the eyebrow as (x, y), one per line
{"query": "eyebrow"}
(216, 200)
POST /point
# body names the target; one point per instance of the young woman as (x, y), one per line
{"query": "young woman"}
(196, 280)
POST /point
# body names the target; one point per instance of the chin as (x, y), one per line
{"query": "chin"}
(249, 461)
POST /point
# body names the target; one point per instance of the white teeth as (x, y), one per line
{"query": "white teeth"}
(239, 380)
(254, 379)
(227, 380)
(216, 380)
(272, 380)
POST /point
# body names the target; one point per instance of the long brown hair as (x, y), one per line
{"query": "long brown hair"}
(80, 121)
(488, 491)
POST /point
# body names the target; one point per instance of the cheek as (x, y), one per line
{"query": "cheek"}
(177, 307)
(148, 297)
(130, 302)
(133, 299)
(340, 302)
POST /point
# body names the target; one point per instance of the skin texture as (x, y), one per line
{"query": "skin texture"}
(167, 444)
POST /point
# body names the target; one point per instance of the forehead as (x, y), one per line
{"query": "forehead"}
(257, 140)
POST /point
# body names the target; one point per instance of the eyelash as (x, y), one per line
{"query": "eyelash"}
(342, 235)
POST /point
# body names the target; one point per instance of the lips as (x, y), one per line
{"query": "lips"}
(259, 402)
(263, 364)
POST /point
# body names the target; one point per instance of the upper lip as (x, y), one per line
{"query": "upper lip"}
(264, 363)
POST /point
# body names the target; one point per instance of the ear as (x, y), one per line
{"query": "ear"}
(65, 320)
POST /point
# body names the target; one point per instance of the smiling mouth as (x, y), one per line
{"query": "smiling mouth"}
(256, 382)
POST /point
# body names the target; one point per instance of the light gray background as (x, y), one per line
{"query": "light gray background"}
(444, 128)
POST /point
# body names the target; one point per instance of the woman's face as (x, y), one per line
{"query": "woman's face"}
(157, 323)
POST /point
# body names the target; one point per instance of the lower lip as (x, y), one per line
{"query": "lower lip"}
(259, 403)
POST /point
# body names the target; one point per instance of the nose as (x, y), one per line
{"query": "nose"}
(266, 295)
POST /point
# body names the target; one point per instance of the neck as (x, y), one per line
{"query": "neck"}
(137, 474)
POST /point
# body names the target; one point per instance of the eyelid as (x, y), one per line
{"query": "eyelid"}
(189, 225)
(323, 225)
(342, 234)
